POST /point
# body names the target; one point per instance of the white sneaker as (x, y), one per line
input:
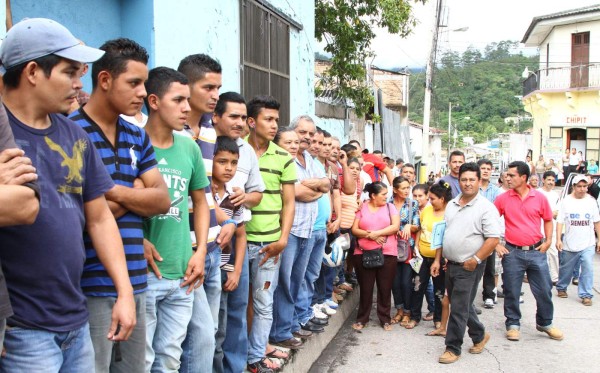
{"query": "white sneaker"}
(489, 303)
(318, 313)
(521, 300)
(326, 309)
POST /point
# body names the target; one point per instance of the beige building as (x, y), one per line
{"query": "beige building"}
(563, 94)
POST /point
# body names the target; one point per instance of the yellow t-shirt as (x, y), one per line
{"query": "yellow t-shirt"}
(428, 220)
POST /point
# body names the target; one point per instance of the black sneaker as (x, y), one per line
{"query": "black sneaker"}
(259, 367)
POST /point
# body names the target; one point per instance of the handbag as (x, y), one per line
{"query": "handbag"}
(404, 245)
(374, 258)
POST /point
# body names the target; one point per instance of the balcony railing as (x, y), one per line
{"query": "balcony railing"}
(563, 78)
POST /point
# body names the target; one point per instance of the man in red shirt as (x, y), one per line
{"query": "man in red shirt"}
(523, 207)
(374, 164)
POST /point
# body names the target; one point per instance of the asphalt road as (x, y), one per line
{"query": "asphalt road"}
(374, 350)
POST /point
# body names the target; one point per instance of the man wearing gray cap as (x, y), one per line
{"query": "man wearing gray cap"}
(43, 262)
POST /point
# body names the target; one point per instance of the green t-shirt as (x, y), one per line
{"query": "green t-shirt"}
(183, 170)
(276, 168)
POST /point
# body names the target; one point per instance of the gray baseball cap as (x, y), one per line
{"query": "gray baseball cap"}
(38, 37)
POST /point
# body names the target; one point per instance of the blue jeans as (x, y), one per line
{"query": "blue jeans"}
(303, 308)
(199, 344)
(515, 265)
(586, 277)
(429, 296)
(168, 313)
(41, 351)
(263, 280)
(324, 284)
(294, 260)
(235, 344)
(402, 287)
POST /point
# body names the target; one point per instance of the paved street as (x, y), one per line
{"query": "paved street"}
(374, 350)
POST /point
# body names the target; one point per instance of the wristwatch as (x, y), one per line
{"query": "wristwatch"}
(477, 259)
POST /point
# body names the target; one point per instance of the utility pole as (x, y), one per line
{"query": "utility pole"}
(427, 99)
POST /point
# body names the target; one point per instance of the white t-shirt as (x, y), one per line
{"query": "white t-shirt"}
(578, 216)
(574, 159)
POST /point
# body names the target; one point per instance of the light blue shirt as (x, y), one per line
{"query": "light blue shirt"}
(305, 213)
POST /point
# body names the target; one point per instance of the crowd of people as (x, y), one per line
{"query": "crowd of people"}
(193, 239)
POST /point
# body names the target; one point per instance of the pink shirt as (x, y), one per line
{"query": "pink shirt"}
(522, 217)
(373, 221)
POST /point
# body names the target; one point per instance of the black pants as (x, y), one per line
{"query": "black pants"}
(462, 288)
(489, 281)
(421, 282)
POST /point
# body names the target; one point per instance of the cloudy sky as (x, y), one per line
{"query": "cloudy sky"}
(488, 21)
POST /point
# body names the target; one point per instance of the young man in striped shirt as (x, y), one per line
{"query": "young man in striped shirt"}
(118, 88)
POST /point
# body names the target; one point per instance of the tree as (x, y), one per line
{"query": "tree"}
(347, 27)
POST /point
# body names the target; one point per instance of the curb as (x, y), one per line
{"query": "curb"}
(303, 359)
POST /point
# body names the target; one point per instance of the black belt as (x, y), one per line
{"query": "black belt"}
(526, 248)
(455, 263)
(257, 243)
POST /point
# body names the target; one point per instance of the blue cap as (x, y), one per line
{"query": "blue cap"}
(33, 38)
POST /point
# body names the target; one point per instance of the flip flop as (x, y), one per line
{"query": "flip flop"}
(278, 354)
(436, 333)
(387, 327)
(411, 324)
(358, 326)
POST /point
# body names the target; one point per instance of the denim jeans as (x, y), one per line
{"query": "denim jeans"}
(586, 277)
(263, 280)
(235, 344)
(316, 249)
(462, 289)
(420, 286)
(429, 296)
(199, 344)
(42, 351)
(294, 260)
(324, 284)
(133, 351)
(402, 286)
(168, 313)
(515, 265)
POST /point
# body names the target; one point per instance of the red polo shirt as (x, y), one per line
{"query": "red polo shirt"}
(371, 162)
(522, 216)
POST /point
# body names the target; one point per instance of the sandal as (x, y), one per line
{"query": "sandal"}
(437, 324)
(387, 327)
(396, 319)
(278, 354)
(274, 366)
(358, 326)
(428, 317)
(437, 333)
(411, 324)
(346, 286)
(405, 320)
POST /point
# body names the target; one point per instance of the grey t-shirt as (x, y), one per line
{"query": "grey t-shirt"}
(467, 227)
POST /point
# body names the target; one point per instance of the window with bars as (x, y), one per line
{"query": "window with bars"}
(265, 43)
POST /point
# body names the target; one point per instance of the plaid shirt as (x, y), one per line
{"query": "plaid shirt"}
(305, 213)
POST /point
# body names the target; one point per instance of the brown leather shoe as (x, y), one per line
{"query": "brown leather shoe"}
(562, 294)
(448, 357)
(513, 334)
(292, 343)
(552, 332)
(587, 301)
(301, 333)
(478, 347)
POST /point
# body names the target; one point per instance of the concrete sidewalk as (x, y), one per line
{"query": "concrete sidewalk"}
(374, 350)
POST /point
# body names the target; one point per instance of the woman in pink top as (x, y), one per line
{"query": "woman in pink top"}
(375, 226)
